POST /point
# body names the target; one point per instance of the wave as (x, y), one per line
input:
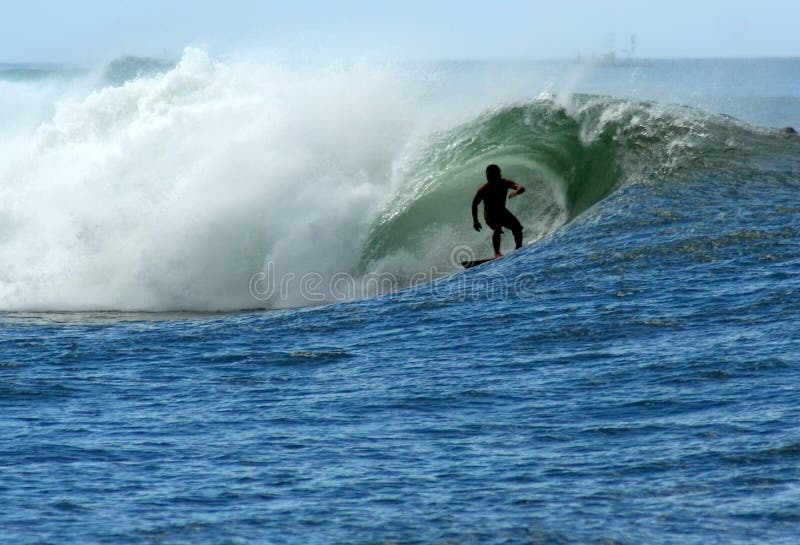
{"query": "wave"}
(569, 154)
(170, 188)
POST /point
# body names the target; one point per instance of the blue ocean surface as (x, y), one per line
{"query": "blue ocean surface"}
(178, 367)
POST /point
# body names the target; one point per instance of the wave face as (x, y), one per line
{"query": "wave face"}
(169, 188)
(569, 154)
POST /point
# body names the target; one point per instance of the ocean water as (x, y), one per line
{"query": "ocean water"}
(232, 310)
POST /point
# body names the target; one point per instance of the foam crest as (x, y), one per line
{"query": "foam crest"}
(171, 191)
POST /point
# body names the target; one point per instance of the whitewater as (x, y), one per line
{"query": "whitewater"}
(232, 311)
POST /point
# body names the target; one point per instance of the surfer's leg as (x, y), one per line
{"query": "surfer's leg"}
(517, 237)
(511, 222)
(498, 230)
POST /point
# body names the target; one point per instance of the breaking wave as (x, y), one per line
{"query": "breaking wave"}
(167, 187)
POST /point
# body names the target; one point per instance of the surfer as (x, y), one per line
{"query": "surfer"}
(493, 194)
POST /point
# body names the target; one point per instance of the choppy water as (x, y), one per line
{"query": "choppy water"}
(630, 376)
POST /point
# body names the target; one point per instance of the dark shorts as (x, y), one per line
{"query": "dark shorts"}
(502, 219)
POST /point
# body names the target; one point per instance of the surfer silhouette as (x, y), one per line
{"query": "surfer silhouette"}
(493, 194)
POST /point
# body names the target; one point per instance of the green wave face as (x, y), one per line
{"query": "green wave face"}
(568, 157)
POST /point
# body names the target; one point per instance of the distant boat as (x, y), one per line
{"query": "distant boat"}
(626, 59)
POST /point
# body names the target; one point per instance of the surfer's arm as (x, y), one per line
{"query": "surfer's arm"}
(518, 189)
(475, 202)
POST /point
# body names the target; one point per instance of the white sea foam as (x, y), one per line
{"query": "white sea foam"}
(171, 191)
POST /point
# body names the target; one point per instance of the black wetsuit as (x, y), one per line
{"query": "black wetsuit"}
(494, 206)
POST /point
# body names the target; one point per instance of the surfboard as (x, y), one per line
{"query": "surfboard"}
(470, 264)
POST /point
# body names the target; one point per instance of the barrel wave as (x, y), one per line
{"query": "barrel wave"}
(169, 186)
(570, 155)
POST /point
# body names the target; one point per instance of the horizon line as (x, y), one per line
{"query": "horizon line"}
(601, 59)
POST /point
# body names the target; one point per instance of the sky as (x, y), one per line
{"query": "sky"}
(86, 31)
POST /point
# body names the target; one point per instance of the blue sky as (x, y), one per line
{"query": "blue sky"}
(93, 30)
